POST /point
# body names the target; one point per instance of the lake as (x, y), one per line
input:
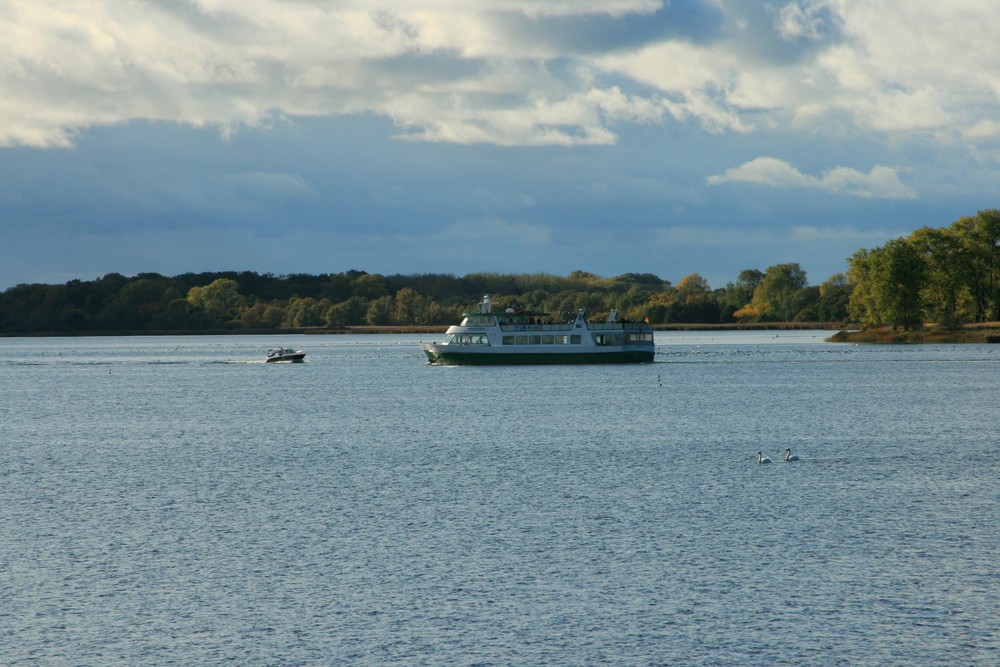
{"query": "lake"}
(176, 501)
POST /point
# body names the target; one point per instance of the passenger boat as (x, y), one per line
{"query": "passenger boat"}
(285, 354)
(529, 337)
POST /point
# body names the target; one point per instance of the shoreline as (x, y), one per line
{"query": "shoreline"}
(410, 329)
(987, 332)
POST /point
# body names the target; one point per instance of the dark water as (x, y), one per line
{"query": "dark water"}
(173, 501)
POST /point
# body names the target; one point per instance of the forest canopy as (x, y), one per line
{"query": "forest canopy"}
(949, 276)
(151, 302)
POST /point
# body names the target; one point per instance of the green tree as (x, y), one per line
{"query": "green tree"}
(347, 313)
(980, 239)
(903, 271)
(369, 286)
(834, 296)
(381, 311)
(692, 286)
(263, 315)
(692, 301)
(888, 285)
(411, 308)
(181, 315)
(307, 312)
(946, 294)
(776, 296)
(219, 300)
(863, 306)
(438, 314)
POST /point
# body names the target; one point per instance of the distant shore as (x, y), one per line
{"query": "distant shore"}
(421, 329)
(987, 332)
(732, 326)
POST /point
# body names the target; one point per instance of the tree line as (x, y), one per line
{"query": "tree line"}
(150, 302)
(948, 275)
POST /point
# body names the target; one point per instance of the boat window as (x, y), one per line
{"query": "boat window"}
(478, 321)
(541, 340)
(468, 339)
(608, 339)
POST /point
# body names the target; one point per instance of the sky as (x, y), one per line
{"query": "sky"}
(505, 136)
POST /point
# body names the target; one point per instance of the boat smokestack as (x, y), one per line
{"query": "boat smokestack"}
(487, 305)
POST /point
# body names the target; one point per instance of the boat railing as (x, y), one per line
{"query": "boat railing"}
(618, 326)
(570, 326)
(536, 327)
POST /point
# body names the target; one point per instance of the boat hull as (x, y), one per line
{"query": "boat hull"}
(437, 355)
(288, 358)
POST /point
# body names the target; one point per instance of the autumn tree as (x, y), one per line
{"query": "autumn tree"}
(307, 312)
(263, 315)
(737, 295)
(219, 300)
(834, 295)
(381, 311)
(369, 286)
(347, 313)
(411, 307)
(779, 294)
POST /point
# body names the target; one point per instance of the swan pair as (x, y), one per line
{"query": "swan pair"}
(788, 456)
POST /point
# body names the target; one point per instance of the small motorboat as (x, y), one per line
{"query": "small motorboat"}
(285, 354)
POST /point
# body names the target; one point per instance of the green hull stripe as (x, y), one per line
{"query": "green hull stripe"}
(475, 359)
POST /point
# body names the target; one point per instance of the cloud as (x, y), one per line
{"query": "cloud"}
(986, 132)
(879, 183)
(463, 73)
(806, 19)
(444, 71)
(504, 72)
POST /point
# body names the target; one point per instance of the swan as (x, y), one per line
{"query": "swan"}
(762, 459)
(789, 456)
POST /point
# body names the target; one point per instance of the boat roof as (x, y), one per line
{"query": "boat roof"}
(502, 313)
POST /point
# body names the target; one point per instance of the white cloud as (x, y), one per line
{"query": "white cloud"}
(983, 132)
(801, 20)
(455, 71)
(879, 183)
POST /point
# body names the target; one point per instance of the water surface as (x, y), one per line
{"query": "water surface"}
(174, 500)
